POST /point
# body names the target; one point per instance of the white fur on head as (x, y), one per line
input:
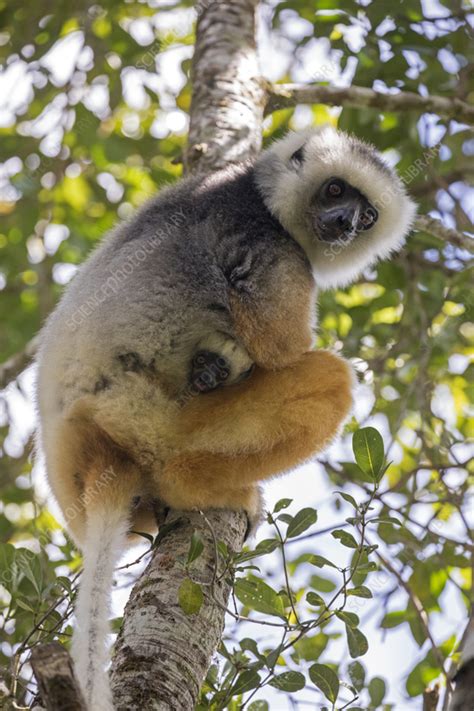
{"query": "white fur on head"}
(288, 186)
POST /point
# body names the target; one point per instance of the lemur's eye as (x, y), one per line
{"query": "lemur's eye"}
(368, 218)
(335, 188)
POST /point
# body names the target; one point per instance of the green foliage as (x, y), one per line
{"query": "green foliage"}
(196, 547)
(190, 596)
(325, 679)
(369, 454)
(303, 593)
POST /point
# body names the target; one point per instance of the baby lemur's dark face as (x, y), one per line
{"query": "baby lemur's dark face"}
(339, 211)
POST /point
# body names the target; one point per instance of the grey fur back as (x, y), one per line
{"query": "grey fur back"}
(156, 285)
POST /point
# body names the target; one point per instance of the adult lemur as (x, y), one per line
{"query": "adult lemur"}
(221, 268)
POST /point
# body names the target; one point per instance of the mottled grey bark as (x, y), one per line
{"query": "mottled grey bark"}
(57, 684)
(229, 94)
(162, 654)
(284, 95)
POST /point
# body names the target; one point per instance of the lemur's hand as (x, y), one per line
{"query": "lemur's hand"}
(220, 360)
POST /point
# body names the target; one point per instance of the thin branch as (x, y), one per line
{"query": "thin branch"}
(440, 181)
(435, 227)
(285, 95)
(430, 699)
(12, 367)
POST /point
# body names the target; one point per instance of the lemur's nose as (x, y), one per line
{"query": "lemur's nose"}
(337, 222)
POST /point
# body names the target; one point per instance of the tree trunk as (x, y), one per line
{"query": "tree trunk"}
(57, 684)
(162, 654)
(463, 696)
(229, 95)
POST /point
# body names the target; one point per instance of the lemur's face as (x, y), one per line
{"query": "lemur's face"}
(339, 212)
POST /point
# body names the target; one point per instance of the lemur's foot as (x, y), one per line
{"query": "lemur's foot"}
(209, 370)
(220, 360)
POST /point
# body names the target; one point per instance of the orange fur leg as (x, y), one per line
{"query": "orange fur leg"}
(91, 473)
(271, 423)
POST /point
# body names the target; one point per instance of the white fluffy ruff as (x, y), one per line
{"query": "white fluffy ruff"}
(288, 190)
(105, 541)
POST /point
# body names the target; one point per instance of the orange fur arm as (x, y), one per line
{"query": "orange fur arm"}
(274, 321)
(235, 437)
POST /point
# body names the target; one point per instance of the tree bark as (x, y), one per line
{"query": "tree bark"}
(162, 654)
(57, 684)
(229, 94)
(284, 95)
(463, 696)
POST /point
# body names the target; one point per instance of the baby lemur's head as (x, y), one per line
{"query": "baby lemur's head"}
(338, 198)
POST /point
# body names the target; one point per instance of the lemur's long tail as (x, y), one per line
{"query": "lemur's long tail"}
(106, 539)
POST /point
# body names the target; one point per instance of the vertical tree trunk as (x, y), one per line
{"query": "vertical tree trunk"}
(463, 696)
(162, 654)
(229, 94)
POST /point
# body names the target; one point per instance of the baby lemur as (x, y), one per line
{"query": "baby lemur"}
(212, 279)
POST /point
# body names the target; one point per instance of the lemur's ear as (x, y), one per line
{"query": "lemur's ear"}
(298, 157)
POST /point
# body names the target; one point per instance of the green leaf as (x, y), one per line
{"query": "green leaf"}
(259, 596)
(357, 675)
(246, 681)
(326, 680)
(190, 597)
(30, 565)
(314, 599)
(393, 619)
(368, 447)
(421, 675)
(323, 584)
(258, 706)
(289, 681)
(24, 605)
(386, 519)
(356, 642)
(310, 648)
(347, 497)
(377, 691)
(272, 657)
(196, 547)
(366, 567)
(360, 591)
(268, 545)
(302, 521)
(349, 618)
(7, 565)
(282, 504)
(249, 645)
(347, 539)
(318, 560)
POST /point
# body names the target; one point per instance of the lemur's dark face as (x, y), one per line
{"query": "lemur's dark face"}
(339, 211)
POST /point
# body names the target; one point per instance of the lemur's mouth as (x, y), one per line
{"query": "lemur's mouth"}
(334, 233)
